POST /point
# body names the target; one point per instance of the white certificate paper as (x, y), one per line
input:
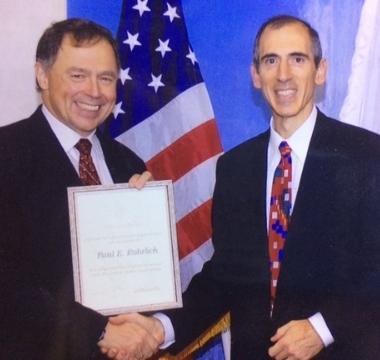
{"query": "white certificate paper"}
(124, 247)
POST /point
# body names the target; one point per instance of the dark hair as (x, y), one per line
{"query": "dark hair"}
(82, 31)
(279, 21)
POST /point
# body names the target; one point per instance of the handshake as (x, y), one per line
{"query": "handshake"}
(132, 337)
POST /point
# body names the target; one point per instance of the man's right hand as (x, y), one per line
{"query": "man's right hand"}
(131, 337)
(138, 181)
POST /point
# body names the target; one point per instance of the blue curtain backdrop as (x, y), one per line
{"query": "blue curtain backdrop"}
(222, 33)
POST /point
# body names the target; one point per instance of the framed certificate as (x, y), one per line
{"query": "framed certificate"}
(124, 247)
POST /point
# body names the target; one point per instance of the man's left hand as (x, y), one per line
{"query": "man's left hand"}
(297, 340)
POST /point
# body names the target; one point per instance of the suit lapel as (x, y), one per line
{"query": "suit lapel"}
(311, 201)
(262, 168)
(51, 157)
(114, 159)
(256, 165)
(315, 172)
(262, 203)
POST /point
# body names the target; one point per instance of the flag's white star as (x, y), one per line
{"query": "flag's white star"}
(156, 82)
(171, 12)
(124, 75)
(132, 40)
(141, 6)
(118, 110)
(163, 47)
(191, 56)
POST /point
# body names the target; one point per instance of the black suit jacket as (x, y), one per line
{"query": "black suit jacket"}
(332, 255)
(40, 319)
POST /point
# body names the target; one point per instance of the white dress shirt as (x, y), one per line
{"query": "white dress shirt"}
(299, 142)
(68, 138)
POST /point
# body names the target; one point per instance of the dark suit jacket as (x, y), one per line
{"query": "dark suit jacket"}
(39, 317)
(332, 255)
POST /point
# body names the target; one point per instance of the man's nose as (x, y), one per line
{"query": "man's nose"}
(284, 71)
(93, 88)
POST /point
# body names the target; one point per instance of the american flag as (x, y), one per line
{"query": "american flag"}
(164, 114)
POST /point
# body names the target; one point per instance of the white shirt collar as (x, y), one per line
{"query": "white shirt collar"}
(66, 136)
(299, 141)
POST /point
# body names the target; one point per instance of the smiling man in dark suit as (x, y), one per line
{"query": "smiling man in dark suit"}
(76, 69)
(295, 223)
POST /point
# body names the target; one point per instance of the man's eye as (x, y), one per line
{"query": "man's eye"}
(77, 76)
(107, 79)
(298, 60)
(270, 61)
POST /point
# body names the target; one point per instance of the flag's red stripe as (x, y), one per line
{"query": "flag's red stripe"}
(193, 148)
(194, 229)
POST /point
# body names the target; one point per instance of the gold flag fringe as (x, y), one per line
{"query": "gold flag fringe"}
(186, 354)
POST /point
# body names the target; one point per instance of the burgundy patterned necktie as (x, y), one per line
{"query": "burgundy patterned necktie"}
(87, 170)
(279, 214)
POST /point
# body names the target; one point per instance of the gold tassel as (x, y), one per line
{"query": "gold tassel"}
(222, 325)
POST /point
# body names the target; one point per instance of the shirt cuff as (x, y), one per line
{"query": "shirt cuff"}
(320, 326)
(168, 328)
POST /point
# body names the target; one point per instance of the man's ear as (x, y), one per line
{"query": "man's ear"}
(321, 75)
(41, 76)
(255, 77)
